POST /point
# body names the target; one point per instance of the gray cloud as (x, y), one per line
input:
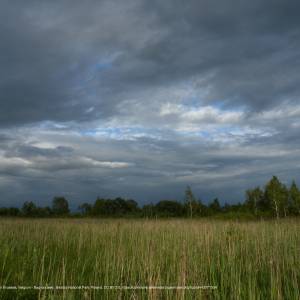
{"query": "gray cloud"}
(140, 98)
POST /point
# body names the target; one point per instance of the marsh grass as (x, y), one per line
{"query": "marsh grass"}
(245, 260)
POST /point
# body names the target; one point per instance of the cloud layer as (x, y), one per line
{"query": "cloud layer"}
(140, 98)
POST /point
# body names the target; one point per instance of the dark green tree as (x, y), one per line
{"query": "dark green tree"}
(148, 210)
(254, 200)
(276, 195)
(132, 206)
(215, 206)
(60, 206)
(29, 209)
(85, 208)
(43, 212)
(9, 211)
(200, 209)
(169, 208)
(98, 207)
(294, 199)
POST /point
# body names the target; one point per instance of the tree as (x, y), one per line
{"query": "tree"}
(9, 211)
(215, 206)
(276, 195)
(85, 208)
(13, 211)
(254, 199)
(114, 207)
(199, 208)
(43, 212)
(98, 207)
(60, 206)
(29, 209)
(132, 206)
(190, 200)
(169, 208)
(294, 199)
(119, 206)
(285, 200)
(148, 210)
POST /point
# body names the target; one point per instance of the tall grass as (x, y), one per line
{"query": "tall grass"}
(247, 260)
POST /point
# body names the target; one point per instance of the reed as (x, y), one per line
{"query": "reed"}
(244, 260)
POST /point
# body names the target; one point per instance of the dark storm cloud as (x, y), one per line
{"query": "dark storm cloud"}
(140, 98)
(40, 62)
(245, 52)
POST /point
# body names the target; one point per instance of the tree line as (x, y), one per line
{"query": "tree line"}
(274, 200)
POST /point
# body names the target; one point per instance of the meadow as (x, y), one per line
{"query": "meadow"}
(235, 260)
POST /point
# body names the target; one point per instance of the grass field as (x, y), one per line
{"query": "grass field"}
(246, 260)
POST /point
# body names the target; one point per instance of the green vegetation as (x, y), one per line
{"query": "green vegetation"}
(245, 260)
(169, 243)
(274, 201)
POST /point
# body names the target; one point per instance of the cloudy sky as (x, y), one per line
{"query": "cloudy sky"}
(140, 98)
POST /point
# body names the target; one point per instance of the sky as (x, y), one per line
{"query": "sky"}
(141, 98)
